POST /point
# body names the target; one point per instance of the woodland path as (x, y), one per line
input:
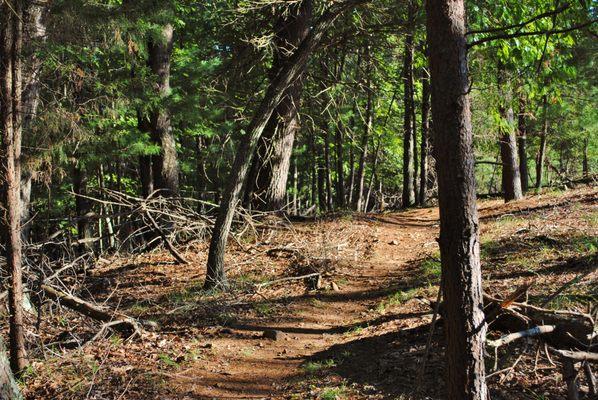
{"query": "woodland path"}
(243, 365)
(362, 341)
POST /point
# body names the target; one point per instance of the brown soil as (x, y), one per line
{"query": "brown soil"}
(362, 341)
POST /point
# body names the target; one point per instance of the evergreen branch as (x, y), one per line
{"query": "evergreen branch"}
(531, 33)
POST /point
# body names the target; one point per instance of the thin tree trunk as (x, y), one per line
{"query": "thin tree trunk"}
(522, 146)
(465, 328)
(82, 206)
(585, 163)
(351, 161)
(415, 149)
(327, 170)
(146, 176)
(276, 144)
(540, 158)
(511, 179)
(35, 32)
(165, 165)
(371, 183)
(408, 142)
(369, 121)
(425, 111)
(296, 186)
(313, 169)
(216, 276)
(11, 41)
(340, 173)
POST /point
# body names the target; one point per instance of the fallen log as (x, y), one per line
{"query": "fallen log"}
(122, 323)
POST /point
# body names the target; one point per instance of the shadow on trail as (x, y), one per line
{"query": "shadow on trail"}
(388, 364)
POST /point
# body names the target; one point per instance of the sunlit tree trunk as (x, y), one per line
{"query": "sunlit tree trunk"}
(408, 136)
(465, 328)
(165, 166)
(340, 165)
(34, 18)
(511, 179)
(425, 129)
(273, 155)
(540, 158)
(216, 276)
(365, 138)
(522, 146)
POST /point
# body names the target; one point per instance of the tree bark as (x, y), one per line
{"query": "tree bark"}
(511, 179)
(365, 138)
(425, 112)
(328, 178)
(82, 207)
(11, 41)
(275, 147)
(340, 173)
(465, 327)
(408, 136)
(585, 168)
(165, 166)
(216, 276)
(522, 146)
(313, 169)
(34, 18)
(540, 158)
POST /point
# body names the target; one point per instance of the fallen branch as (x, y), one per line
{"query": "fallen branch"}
(535, 331)
(167, 242)
(122, 323)
(578, 355)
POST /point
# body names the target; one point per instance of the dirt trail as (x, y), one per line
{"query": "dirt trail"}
(244, 365)
(362, 341)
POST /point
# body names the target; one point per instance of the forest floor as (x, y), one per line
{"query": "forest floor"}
(360, 336)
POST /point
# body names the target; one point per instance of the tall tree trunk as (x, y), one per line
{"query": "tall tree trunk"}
(296, 186)
(351, 185)
(542, 149)
(146, 175)
(425, 111)
(372, 177)
(82, 206)
(585, 168)
(365, 139)
(34, 18)
(327, 170)
(340, 165)
(408, 136)
(276, 144)
(165, 166)
(216, 276)
(313, 169)
(511, 179)
(11, 42)
(522, 146)
(465, 328)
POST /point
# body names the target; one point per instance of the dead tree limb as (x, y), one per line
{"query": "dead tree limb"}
(128, 326)
(535, 331)
(167, 242)
(578, 355)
